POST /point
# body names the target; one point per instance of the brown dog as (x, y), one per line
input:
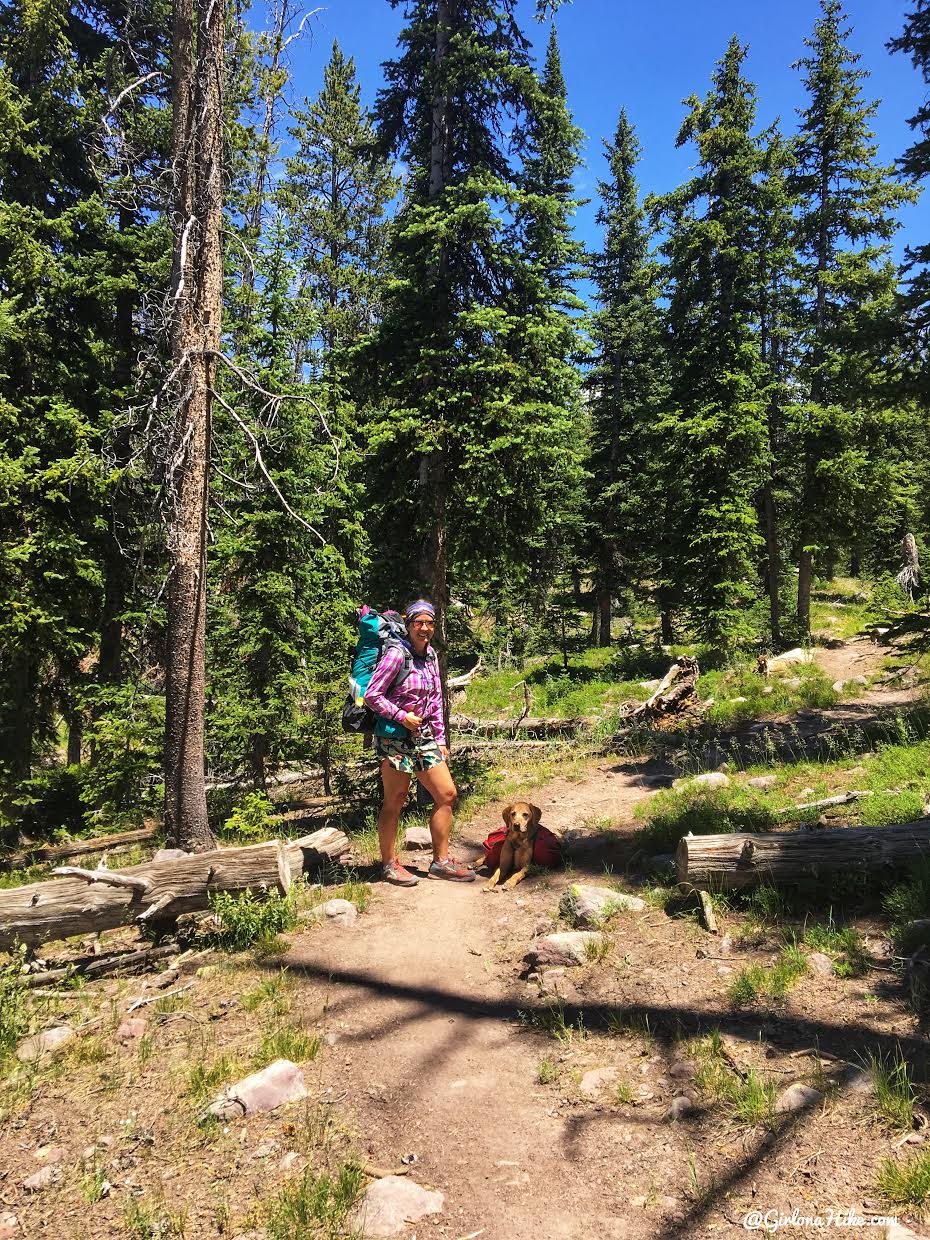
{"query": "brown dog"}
(521, 820)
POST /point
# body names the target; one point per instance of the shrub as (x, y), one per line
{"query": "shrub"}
(247, 919)
(251, 819)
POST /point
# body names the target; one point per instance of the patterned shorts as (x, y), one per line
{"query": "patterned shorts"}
(409, 754)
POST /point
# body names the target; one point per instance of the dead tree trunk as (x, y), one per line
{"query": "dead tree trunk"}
(83, 901)
(734, 861)
(909, 576)
(197, 309)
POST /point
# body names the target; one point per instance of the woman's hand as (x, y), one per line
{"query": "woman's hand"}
(444, 750)
(412, 722)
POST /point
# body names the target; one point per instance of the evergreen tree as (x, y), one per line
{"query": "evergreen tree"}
(465, 442)
(846, 217)
(545, 341)
(915, 164)
(333, 199)
(778, 326)
(715, 453)
(626, 385)
(73, 255)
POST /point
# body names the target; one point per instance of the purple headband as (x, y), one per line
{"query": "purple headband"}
(420, 608)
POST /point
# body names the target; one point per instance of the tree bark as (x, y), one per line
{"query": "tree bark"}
(197, 292)
(742, 860)
(104, 899)
(773, 563)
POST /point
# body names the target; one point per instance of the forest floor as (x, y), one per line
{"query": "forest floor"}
(537, 1105)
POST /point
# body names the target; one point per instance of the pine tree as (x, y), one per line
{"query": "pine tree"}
(846, 217)
(333, 199)
(914, 40)
(626, 385)
(545, 341)
(462, 434)
(715, 449)
(778, 325)
(72, 258)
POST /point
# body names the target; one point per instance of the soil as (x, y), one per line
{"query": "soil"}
(436, 1046)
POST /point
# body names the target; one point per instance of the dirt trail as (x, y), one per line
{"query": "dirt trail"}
(434, 1061)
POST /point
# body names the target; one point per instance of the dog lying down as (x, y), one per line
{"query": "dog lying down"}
(522, 822)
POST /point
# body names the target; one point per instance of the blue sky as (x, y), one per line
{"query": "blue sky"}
(648, 55)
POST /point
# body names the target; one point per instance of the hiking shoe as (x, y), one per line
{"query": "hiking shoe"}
(394, 872)
(451, 870)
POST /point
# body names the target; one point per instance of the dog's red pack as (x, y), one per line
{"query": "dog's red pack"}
(547, 850)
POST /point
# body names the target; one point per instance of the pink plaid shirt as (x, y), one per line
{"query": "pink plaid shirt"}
(420, 693)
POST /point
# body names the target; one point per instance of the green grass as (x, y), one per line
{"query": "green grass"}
(758, 983)
(205, 1079)
(144, 1220)
(313, 1206)
(274, 990)
(551, 1021)
(283, 1041)
(906, 1183)
(548, 1071)
(845, 946)
(907, 902)
(92, 1183)
(740, 693)
(749, 1098)
(894, 1091)
(674, 812)
(353, 889)
(14, 1010)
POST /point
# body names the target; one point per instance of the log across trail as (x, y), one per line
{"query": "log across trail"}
(84, 901)
(727, 862)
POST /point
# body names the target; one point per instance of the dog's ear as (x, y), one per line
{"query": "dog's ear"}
(506, 815)
(536, 815)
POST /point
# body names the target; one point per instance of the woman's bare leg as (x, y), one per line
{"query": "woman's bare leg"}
(396, 784)
(439, 784)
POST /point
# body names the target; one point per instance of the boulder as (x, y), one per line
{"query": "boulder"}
(598, 1079)
(169, 854)
(797, 1097)
(709, 779)
(762, 781)
(9, 1226)
(50, 1155)
(790, 658)
(279, 1083)
(340, 912)
(821, 963)
(42, 1179)
(589, 906)
(678, 1107)
(44, 1045)
(570, 947)
(392, 1202)
(416, 838)
(131, 1028)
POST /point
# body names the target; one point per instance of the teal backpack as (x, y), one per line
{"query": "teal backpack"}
(376, 634)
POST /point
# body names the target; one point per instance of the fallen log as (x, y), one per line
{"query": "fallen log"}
(78, 848)
(544, 727)
(842, 799)
(81, 900)
(728, 862)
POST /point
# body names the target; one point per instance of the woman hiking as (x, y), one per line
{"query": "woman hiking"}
(416, 703)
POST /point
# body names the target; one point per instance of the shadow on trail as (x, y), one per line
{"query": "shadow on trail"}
(666, 1025)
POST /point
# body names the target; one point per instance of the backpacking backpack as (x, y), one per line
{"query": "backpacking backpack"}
(376, 634)
(547, 848)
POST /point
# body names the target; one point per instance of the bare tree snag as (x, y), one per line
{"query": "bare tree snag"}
(93, 900)
(677, 692)
(196, 312)
(733, 861)
(909, 576)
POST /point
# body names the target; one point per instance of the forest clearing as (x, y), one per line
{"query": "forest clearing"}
(638, 1091)
(477, 412)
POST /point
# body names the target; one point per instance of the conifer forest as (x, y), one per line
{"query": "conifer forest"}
(264, 358)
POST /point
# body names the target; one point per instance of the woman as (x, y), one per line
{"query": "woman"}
(416, 703)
